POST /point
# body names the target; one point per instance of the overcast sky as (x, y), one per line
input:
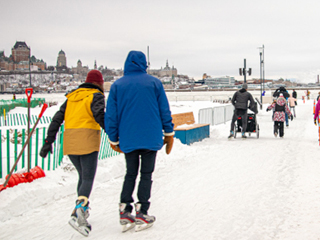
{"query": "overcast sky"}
(200, 36)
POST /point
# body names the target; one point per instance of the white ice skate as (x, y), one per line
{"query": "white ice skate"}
(127, 221)
(143, 221)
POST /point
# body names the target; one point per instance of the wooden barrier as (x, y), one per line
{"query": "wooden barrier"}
(187, 131)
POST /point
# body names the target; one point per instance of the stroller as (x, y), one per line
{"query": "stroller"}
(252, 124)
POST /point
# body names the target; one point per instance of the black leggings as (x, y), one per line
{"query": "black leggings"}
(86, 166)
(278, 126)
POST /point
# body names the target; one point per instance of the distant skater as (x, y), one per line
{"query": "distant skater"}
(280, 108)
(294, 95)
(285, 94)
(292, 104)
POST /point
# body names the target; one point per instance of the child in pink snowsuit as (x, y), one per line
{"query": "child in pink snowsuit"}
(280, 108)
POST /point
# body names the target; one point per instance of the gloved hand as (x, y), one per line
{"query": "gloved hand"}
(116, 148)
(268, 109)
(47, 147)
(169, 141)
(291, 117)
(315, 122)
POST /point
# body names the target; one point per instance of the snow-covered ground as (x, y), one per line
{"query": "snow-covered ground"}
(252, 189)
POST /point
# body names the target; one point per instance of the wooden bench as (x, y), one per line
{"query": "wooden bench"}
(187, 131)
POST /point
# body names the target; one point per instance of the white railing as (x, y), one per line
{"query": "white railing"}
(216, 115)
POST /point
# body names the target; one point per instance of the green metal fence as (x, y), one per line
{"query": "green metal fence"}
(20, 119)
(12, 141)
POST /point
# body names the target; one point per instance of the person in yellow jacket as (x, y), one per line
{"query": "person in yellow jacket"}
(83, 116)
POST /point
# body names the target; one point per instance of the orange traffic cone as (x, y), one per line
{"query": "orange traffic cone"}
(314, 106)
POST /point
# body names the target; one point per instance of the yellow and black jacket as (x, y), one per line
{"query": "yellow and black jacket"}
(83, 114)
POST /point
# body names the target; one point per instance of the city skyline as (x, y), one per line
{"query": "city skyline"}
(195, 37)
(58, 57)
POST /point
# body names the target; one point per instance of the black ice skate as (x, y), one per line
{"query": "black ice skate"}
(143, 221)
(231, 134)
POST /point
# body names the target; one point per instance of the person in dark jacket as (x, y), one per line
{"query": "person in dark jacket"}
(281, 90)
(83, 117)
(294, 95)
(240, 102)
(137, 118)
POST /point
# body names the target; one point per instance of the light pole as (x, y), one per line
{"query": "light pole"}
(260, 80)
(261, 53)
(148, 70)
(243, 71)
(263, 66)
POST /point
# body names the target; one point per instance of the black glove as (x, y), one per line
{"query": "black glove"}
(315, 122)
(47, 147)
(291, 117)
(268, 109)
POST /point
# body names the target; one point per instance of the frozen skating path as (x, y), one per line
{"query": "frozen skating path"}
(252, 189)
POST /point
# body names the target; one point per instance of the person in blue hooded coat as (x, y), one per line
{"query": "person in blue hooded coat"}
(137, 117)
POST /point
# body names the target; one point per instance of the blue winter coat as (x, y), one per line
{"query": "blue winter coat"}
(137, 108)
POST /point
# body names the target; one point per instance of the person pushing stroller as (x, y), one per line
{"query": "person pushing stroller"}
(240, 102)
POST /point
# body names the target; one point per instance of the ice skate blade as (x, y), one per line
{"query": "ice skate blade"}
(144, 226)
(127, 224)
(127, 227)
(81, 229)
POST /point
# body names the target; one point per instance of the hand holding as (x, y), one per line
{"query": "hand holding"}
(291, 117)
(169, 141)
(47, 147)
(315, 122)
(268, 110)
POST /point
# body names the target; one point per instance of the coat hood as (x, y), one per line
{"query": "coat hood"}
(282, 89)
(135, 62)
(80, 94)
(281, 101)
(242, 90)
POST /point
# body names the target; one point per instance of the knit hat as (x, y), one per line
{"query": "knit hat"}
(245, 86)
(94, 76)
